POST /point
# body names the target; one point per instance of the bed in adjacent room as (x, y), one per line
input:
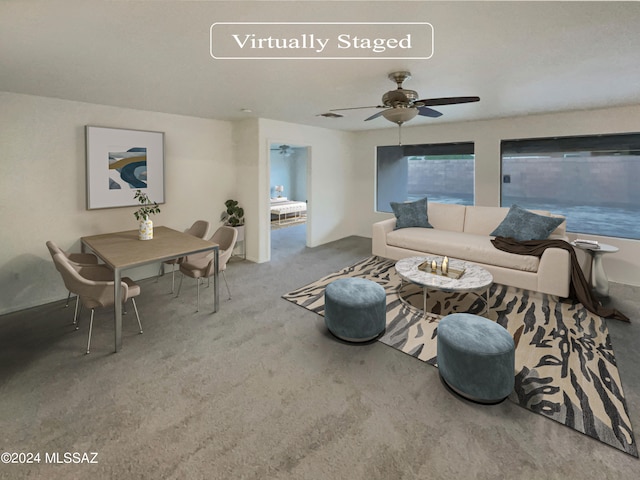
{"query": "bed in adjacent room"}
(284, 210)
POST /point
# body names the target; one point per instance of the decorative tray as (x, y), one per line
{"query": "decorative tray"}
(451, 273)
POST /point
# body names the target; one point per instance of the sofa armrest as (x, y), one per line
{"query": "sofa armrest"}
(379, 236)
(554, 272)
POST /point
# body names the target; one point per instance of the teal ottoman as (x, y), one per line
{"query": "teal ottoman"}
(476, 357)
(355, 309)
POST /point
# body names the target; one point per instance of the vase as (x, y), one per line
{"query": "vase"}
(146, 229)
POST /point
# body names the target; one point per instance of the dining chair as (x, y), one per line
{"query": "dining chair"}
(200, 229)
(201, 265)
(80, 258)
(94, 286)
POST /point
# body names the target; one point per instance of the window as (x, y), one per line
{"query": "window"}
(592, 180)
(442, 172)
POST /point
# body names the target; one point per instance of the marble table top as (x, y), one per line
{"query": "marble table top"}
(474, 278)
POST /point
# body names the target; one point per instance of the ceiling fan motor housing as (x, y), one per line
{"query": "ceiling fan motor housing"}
(394, 97)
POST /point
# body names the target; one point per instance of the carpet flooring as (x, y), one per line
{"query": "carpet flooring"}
(261, 391)
(275, 225)
(565, 363)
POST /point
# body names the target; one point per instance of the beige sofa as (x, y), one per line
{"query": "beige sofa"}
(463, 232)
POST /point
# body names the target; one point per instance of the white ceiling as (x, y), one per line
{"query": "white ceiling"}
(518, 57)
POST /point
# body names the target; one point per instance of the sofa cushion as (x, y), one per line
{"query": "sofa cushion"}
(561, 231)
(411, 214)
(524, 225)
(483, 220)
(463, 246)
(447, 216)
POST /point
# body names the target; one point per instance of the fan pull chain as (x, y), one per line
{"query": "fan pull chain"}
(399, 133)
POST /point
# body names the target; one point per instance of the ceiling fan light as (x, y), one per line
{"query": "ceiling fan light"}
(400, 115)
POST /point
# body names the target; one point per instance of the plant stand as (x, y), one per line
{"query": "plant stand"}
(241, 243)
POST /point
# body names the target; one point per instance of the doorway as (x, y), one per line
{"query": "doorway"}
(288, 185)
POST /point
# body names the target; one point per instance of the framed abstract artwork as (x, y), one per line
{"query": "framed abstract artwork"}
(119, 162)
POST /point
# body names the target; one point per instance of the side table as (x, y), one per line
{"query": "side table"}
(598, 277)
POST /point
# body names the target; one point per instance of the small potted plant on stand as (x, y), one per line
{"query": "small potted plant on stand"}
(234, 217)
(142, 215)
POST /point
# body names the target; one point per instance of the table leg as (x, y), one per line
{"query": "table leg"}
(599, 280)
(117, 308)
(216, 284)
(485, 297)
(425, 297)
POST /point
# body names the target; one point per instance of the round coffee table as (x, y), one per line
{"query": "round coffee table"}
(475, 279)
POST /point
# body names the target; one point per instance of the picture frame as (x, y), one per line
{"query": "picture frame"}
(121, 161)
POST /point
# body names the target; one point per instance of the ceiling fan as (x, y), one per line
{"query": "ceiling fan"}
(402, 105)
(284, 150)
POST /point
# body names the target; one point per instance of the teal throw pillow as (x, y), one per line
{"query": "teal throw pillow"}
(411, 214)
(523, 225)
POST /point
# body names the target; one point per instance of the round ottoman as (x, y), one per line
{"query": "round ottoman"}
(476, 357)
(355, 309)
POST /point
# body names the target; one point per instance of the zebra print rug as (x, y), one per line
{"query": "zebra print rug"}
(564, 358)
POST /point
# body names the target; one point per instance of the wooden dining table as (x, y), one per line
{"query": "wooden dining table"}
(123, 250)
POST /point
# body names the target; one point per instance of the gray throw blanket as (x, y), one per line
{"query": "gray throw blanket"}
(579, 289)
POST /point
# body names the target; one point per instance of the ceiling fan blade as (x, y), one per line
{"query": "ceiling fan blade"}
(447, 100)
(429, 112)
(376, 115)
(356, 108)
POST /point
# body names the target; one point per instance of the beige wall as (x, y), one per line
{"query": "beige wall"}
(42, 185)
(42, 179)
(42, 189)
(246, 152)
(329, 177)
(623, 267)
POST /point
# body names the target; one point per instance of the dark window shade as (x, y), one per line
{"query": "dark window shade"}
(624, 143)
(457, 148)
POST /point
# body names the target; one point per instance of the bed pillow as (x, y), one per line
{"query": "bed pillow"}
(523, 225)
(411, 214)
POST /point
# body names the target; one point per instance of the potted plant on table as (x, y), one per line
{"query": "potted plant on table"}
(142, 215)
